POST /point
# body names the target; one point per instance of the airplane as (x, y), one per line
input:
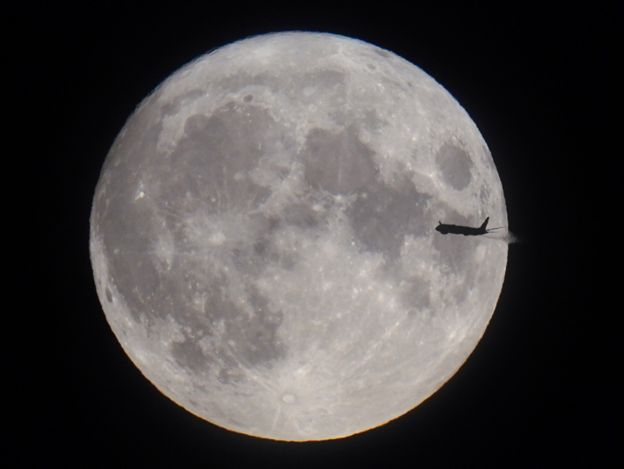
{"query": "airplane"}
(465, 230)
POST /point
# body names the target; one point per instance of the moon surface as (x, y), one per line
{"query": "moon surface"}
(263, 236)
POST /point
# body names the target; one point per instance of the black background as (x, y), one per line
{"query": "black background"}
(539, 391)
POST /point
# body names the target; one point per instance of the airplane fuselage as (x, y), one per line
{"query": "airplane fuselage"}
(463, 230)
(458, 229)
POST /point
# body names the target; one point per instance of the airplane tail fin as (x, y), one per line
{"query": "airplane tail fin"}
(484, 225)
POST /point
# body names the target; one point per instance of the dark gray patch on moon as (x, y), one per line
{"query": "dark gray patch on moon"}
(213, 158)
(173, 106)
(249, 255)
(132, 269)
(264, 248)
(382, 215)
(255, 337)
(236, 82)
(455, 166)
(372, 121)
(109, 295)
(324, 79)
(416, 297)
(338, 163)
(189, 355)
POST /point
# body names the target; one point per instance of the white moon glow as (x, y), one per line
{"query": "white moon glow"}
(263, 236)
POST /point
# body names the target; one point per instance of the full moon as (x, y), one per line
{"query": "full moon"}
(263, 236)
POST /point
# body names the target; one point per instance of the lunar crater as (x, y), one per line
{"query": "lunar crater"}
(455, 165)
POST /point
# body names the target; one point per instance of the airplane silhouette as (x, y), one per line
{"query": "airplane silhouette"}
(465, 230)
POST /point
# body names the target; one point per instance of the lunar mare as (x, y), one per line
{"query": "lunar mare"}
(263, 244)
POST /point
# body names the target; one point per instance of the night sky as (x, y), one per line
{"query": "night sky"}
(539, 390)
